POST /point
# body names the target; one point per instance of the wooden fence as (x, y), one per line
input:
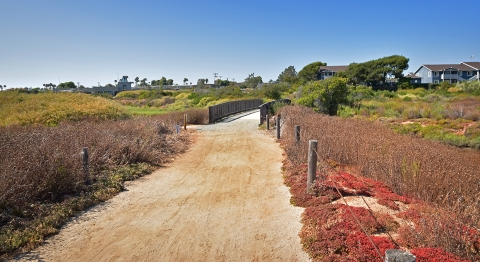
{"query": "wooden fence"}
(222, 110)
(264, 108)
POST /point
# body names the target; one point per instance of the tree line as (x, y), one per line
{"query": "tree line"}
(325, 96)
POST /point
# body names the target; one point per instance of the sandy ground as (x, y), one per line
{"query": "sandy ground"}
(224, 200)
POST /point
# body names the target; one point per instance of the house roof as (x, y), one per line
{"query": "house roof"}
(475, 65)
(411, 75)
(334, 68)
(440, 67)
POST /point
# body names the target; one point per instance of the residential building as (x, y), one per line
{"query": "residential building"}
(476, 68)
(452, 73)
(414, 79)
(326, 72)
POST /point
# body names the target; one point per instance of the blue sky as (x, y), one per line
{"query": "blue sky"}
(91, 41)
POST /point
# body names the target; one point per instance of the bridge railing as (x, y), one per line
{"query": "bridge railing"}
(264, 108)
(219, 111)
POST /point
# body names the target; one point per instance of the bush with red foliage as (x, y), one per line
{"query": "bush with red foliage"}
(331, 233)
(297, 181)
(435, 255)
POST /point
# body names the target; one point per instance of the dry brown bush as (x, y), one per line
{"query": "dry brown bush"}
(43, 163)
(437, 173)
(195, 116)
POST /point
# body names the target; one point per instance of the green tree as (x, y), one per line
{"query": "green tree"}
(143, 82)
(325, 96)
(185, 80)
(201, 83)
(221, 82)
(310, 72)
(136, 80)
(377, 70)
(357, 73)
(289, 75)
(252, 81)
(161, 82)
(274, 91)
(170, 82)
(67, 85)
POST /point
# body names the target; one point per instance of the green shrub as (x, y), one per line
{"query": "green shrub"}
(129, 94)
(194, 97)
(204, 101)
(276, 107)
(411, 113)
(178, 105)
(407, 129)
(325, 96)
(469, 86)
(444, 86)
(389, 94)
(359, 93)
(346, 111)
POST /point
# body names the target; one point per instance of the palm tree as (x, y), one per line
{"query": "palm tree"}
(185, 80)
(115, 82)
(206, 80)
(136, 80)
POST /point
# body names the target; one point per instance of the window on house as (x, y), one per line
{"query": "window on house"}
(454, 72)
(435, 81)
(447, 72)
(429, 74)
(435, 73)
(469, 73)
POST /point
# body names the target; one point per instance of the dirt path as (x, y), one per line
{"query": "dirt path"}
(224, 200)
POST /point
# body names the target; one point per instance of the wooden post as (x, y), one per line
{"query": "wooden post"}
(297, 134)
(268, 122)
(396, 255)
(178, 128)
(278, 126)
(312, 164)
(85, 166)
(185, 121)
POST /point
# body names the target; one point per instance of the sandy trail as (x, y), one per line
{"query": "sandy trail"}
(224, 200)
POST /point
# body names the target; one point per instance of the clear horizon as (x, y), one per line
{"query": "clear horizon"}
(91, 42)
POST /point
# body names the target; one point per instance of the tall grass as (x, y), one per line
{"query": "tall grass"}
(428, 170)
(442, 175)
(41, 169)
(52, 108)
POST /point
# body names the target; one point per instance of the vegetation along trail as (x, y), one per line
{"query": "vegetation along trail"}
(224, 200)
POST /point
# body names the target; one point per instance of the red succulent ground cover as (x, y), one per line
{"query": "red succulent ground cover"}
(331, 232)
(435, 255)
